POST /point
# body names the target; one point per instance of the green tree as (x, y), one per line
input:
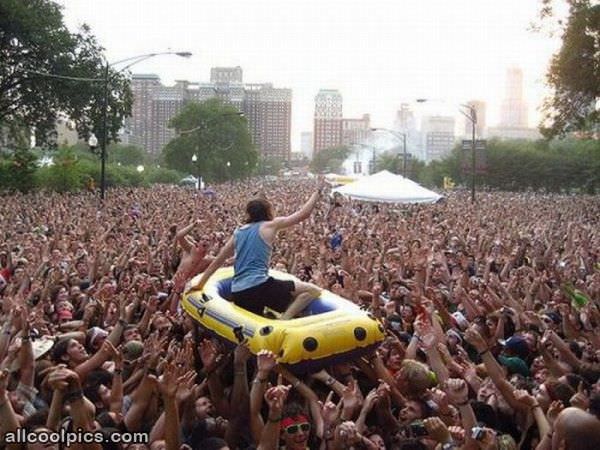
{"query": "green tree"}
(574, 73)
(23, 165)
(34, 41)
(269, 166)
(127, 155)
(514, 165)
(329, 159)
(390, 162)
(217, 135)
(65, 174)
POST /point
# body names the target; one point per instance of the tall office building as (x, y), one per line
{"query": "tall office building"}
(356, 131)
(480, 127)
(269, 114)
(267, 109)
(226, 74)
(513, 112)
(166, 104)
(438, 135)
(327, 120)
(405, 119)
(406, 123)
(137, 127)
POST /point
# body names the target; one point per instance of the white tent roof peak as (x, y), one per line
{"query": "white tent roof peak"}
(385, 186)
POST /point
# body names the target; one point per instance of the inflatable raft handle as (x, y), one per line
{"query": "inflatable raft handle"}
(239, 333)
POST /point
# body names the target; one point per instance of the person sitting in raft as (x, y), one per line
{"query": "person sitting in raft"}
(252, 288)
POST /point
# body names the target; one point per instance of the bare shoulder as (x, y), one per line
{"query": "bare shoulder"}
(268, 229)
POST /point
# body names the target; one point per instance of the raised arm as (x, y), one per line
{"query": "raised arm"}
(181, 236)
(226, 252)
(303, 213)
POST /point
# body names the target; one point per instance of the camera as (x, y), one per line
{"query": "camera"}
(477, 433)
(417, 429)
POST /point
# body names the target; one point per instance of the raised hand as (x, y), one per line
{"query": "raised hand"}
(580, 399)
(457, 391)
(437, 430)
(441, 399)
(371, 399)
(167, 384)
(525, 398)
(58, 379)
(241, 354)
(185, 386)
(473, 337)
(275, 398)
(265, 362)
(347, 435)
(208, 354)
(554, 410)
(329, 410)
(351, 396)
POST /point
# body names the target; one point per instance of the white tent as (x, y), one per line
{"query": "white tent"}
(384, 186)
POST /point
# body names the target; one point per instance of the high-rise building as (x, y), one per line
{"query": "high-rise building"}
(267, 109)
(269, 114)
(438, 136)
(405, 119)
(306, 144)
(356, 131)
(143, 88)
(166, 104)
(226, 74)
(513, 112)
(327, 120)
(480, 127)
(406, 123)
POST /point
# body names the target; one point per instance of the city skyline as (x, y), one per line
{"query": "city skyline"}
(377, 57)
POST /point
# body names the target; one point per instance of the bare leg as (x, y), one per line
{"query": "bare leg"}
(303, 295)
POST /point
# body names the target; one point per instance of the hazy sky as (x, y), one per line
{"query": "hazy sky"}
(378, 53)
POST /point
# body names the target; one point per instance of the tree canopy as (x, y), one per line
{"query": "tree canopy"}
(329, 159)
(574, 73)
(217, 135)
(515, 165)
(34, 42)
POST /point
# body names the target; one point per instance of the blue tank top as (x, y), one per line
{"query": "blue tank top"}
(252, 256)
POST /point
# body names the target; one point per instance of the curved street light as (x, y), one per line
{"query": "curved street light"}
(105, 79)
(472, 117)
(397, 135)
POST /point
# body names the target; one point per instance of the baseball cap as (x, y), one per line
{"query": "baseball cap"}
(514, 364)
(94, 334)
(132, 350)
(461, 320)
(517, 345)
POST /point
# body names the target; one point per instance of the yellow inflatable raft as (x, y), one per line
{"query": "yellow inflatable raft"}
(332, 330)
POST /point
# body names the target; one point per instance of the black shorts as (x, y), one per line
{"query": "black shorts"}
(275, 294)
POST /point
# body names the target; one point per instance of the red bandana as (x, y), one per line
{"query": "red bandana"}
(293, 420)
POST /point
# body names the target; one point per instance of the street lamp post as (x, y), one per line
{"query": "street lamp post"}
(196, 171)
(105, 79)
(397, 134)
(472, 117)
(135, 60)
(203, 126)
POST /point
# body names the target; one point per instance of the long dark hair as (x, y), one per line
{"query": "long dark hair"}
(258, 210)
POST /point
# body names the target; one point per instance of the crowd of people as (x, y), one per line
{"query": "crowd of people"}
(491, 312)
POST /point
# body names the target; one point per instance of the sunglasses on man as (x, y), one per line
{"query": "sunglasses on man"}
(293, 429)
